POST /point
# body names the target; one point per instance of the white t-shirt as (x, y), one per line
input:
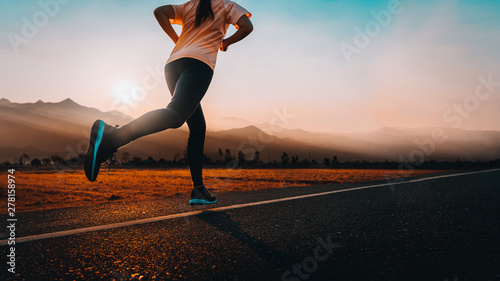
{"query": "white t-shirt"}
(203, 42)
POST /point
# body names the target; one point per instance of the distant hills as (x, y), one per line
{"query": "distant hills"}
(42, 129)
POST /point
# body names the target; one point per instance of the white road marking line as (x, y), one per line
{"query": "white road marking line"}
(194, 213)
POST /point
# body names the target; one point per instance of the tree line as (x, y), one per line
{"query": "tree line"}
(225, 158)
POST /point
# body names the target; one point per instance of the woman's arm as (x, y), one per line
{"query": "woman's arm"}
(163, 15)
(245, 28)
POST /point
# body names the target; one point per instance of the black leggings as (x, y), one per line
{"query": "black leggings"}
(188, 80)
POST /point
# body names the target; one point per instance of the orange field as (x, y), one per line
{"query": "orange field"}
(40, 190)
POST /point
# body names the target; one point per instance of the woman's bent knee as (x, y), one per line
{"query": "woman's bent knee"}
(174, 118)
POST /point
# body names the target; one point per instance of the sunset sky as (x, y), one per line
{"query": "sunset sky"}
(421, 60)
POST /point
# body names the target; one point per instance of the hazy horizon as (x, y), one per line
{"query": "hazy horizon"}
(416, 64)
(42, 129)
(234, 122)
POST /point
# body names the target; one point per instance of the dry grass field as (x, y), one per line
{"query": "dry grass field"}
(40, 190)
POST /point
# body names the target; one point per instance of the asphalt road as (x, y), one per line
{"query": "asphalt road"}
(439, 229)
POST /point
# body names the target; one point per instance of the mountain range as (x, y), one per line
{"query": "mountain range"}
(41, 129)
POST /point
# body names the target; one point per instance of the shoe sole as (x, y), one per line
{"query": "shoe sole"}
(193, 202)
(90, 158)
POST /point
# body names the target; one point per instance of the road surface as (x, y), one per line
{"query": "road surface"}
(444, 227)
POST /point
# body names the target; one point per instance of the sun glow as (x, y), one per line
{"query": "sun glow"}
(125, 92)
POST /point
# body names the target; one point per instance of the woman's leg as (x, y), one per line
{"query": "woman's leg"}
(189, 80)
(196, 142)
(197, 129)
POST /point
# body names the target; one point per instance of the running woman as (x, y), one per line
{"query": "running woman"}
(188, 72)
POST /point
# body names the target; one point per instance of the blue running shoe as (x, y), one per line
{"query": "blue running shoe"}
(201, 196)
(101, 148)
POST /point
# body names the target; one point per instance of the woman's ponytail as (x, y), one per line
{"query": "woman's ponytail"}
(204, 11)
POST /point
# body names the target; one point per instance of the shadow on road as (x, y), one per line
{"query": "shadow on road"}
(223, 222)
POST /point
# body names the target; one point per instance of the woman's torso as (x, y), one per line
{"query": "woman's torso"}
(203, 42)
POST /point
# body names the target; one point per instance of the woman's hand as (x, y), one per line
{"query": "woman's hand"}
(163, 15)
(224, 45)
(245, 27)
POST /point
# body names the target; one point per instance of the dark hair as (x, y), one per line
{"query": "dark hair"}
(204, 11)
